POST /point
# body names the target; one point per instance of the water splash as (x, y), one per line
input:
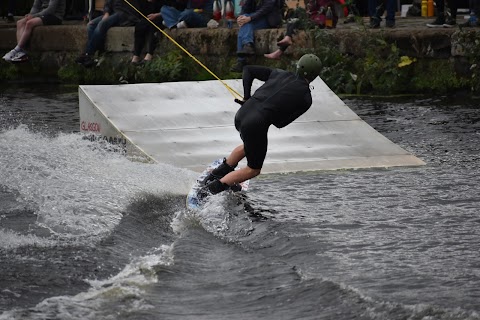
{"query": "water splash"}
(125, 290)
(74, 187)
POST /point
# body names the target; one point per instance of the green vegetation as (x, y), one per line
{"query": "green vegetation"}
(8, 71)
(468, 41)
(174, 66)
(381, 68)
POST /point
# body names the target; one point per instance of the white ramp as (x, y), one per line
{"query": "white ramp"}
(189, 124)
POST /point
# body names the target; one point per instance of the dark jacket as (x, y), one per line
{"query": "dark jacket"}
(283, 97)
(129, 15)
(264, 8)
(46, 7)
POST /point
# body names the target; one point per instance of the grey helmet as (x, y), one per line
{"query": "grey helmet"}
(309, 66)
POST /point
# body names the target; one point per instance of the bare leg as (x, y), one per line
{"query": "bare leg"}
(27, 32)
(283, 44)
(236, 156)
(148, 57)
(286, 41)
(274, 55)
(20, 27)
(240, 175)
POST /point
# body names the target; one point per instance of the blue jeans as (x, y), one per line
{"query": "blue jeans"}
(246, 33)
(390, 7)
(97, 30)
(172, 16)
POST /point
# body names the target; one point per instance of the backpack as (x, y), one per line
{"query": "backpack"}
(317, 10)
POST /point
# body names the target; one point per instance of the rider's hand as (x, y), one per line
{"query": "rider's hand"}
(240, 102)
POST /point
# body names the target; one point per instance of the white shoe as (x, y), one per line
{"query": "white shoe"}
(9, 55)
(182, 25)
(19, 56)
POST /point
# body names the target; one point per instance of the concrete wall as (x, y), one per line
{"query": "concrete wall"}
(53, 47)
(221, 42)
(72, 38)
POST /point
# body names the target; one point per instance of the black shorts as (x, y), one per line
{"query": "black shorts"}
(50, 20)
(253, 129)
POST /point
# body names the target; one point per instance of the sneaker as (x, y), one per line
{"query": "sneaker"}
(86, 61)
(375, 22)
(350, 18)
(9, 55)
(247, 50)
(438, 23)
(238, 67)
(182, 25)
(450, 23)
(390, 24)
(19, 56)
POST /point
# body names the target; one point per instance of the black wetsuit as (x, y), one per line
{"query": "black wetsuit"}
(279, 101)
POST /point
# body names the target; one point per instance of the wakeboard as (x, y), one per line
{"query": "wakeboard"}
(193, 202)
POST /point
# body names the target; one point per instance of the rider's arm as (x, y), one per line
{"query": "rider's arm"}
(251, 73)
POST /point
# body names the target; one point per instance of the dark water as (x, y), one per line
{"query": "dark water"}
(86, 234)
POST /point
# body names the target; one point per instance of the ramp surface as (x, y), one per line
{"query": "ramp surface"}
(188, 124)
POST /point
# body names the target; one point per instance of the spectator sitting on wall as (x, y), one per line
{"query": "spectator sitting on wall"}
(43, 13)
(255, 15)
(145, 32)
(115, 13)
(195, 14)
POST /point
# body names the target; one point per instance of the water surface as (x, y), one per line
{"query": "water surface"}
(87, 234)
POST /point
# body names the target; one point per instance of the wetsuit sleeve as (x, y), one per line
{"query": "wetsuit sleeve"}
(251, 73)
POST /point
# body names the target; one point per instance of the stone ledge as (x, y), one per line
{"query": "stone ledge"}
(72, 38)
(221, 42)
